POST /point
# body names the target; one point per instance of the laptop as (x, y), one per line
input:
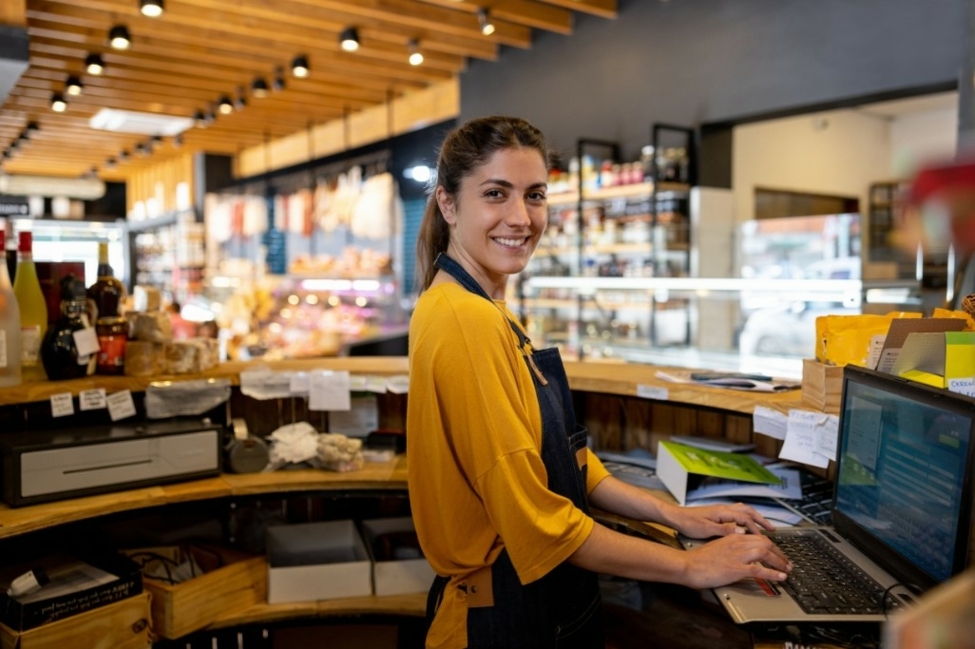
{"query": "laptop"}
(902, 508)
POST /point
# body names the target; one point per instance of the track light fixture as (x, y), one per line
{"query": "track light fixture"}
(58, 104)
(141, 150)
(484, 19)
(73, 86)
(94, 64)
(123, 155)
(111, 163)
(225, 106)
(119, 38)
(31, 127)
(299, 67)
(200, 119)
(416, 57)
(151, 8)
(349, 39)
(259, 88)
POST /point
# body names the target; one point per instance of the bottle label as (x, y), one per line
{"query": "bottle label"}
(111, 354)
(30, 345)
(3, 348)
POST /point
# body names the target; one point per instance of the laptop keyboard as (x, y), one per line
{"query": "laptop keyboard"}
(824, 581)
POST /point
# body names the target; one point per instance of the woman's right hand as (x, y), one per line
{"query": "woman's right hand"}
(734, 557)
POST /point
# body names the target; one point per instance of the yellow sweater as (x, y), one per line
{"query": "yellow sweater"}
(474, 434)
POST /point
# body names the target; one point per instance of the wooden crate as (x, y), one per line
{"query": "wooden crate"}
(120, 625)
(192, 605)
(822, 386)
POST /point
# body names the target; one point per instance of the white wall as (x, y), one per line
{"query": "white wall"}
(838, 153)
(922, 138)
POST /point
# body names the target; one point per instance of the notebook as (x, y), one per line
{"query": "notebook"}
(902, 507)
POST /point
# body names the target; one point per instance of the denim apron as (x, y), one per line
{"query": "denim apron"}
(562, 609)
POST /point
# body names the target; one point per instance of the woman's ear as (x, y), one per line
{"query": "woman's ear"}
(447, 205)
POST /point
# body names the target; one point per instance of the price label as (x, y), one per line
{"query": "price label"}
(62, 405)
(652, 392)
(298, 383)
(86, 342)
(91, 399)
(120, 405)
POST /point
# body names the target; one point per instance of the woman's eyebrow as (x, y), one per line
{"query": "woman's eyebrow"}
(510, 185)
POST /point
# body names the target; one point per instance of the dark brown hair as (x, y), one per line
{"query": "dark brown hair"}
(465, 149)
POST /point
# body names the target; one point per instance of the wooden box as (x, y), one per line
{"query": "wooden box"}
(120, 625)
(822, 386)
(179, 609)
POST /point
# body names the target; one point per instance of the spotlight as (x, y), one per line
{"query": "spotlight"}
(90, 174)
(73, 86)
(240, 101)
(94, 64)
(259, 88)
(200, 119)
(177, 140)
(141, 150)
(225, 106)
(299, 67)
(32, 127)
(123, 155)
(58, 104)
(483, 18)
(151, 8)
(349, 39)
(111, 163)
(119, 38)
(416, 57)
(278, 83)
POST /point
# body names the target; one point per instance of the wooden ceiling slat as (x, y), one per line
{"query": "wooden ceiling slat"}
(600, 8)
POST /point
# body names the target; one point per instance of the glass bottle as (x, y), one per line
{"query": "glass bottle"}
(107, 292)
(70, 348)
(110, 328)
(33, 310)
(9, 326)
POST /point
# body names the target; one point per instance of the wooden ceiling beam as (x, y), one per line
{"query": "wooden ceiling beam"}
(600, 8)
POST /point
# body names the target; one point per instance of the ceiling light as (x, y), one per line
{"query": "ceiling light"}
(73, 86)
(259, 88)
(123, 155)
(141, 149)
(225, 106)
(416, 57)
(151, 8)
(240, 101)
(119, 38)
(299, 67)
(111, 163)
(200, 119)
(32, 127)
(487, 27)
(349, 39)
(177, 141)
(94, 64)
(58, 104)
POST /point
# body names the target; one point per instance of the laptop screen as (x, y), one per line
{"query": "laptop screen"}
(903, 474)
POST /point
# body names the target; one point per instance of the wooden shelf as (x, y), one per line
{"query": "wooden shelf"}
(635, 190)
(42, 391)
(373, 476)
(413, 605)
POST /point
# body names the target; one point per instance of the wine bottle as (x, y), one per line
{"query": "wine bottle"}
(33, 310)
(107, 291)
(9, 326)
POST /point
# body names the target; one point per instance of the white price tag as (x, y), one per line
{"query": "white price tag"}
(376, 384)
(962, 386)
(770, 422)
(652, 392)
(62, 405)
(398, 384)
(86, 342)
(298, 384)
(92, 399)
(120, 405)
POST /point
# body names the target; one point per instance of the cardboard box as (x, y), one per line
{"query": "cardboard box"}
(312, 561)
(937, 358)
(233, 580)
(387, 540)
(112, 577)
(119, 625)
(822, 386)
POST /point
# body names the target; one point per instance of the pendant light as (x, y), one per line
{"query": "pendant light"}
(299, 67)
(259, 88)
(151, 8)
(58, 104)
(483, 18)
(94, 64)
(119, 37)
(73, 86)
(416, 56)
(349, 39)
(225, 107)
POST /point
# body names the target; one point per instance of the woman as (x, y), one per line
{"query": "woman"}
(500, 478)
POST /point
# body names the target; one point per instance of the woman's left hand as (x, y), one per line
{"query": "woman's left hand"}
(718, 520)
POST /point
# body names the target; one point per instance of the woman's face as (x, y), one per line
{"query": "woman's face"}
(497, 216)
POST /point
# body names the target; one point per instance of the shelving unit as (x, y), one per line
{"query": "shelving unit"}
(605, 225)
